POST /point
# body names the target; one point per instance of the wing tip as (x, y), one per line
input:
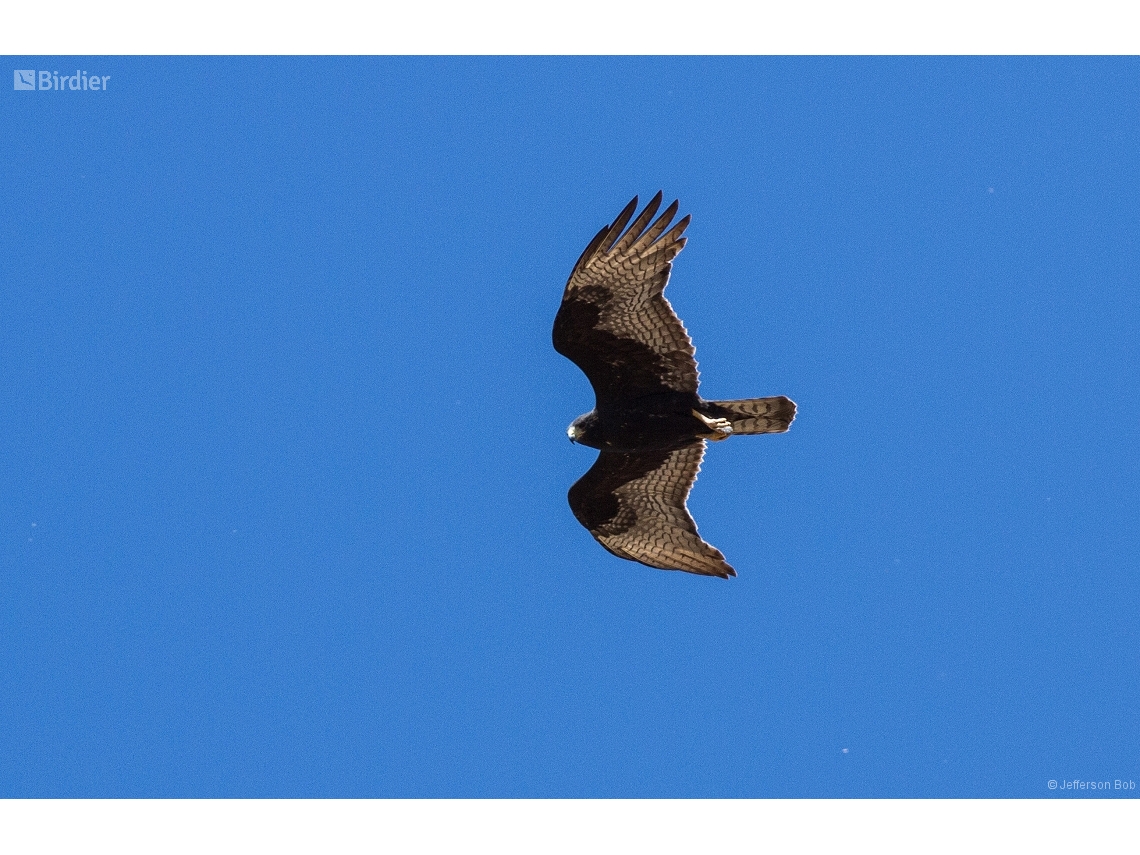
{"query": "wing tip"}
(614, 230)
(721, 570)
(726, 569)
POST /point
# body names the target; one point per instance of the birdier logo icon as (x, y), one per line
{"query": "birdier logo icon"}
(81, 81)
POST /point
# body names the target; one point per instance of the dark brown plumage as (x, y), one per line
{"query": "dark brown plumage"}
(649, 423)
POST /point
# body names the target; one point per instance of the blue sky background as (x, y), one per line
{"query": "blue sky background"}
(283, 459)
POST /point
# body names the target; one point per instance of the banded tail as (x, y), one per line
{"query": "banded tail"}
(755, 415)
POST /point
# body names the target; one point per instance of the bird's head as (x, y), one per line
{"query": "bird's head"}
(579, 430)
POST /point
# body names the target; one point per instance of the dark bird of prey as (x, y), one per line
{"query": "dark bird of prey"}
(648, 421)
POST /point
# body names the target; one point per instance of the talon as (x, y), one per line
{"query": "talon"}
(720, 428)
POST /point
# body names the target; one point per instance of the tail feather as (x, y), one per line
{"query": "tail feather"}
(756, 415)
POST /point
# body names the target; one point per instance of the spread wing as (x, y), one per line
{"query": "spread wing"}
(615, 323)
(634, 505)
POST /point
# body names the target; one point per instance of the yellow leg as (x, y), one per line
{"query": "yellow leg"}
(718, 428)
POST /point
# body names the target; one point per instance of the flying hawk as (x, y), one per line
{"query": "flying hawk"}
(648, 421)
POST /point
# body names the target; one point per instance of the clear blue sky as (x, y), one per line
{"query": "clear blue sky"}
(284, 466)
